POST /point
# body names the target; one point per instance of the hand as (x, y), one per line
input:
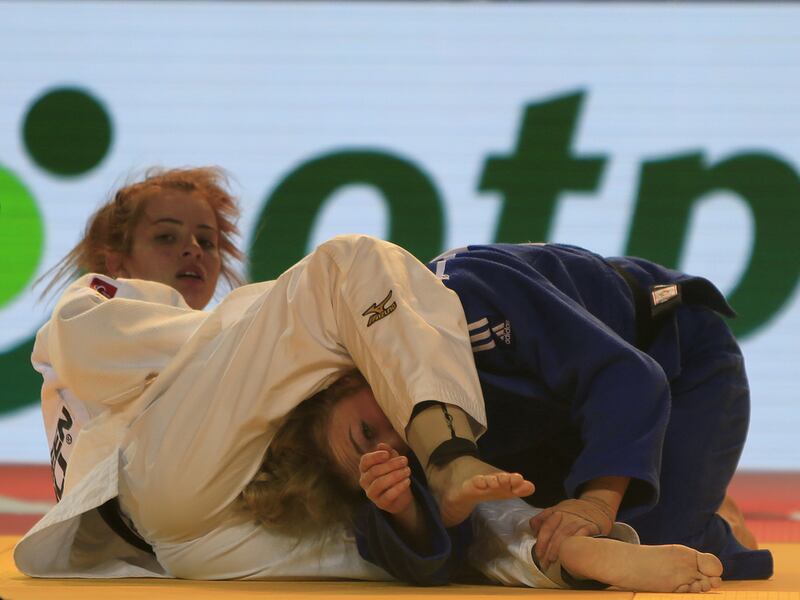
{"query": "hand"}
(386, 479)
(586, 516)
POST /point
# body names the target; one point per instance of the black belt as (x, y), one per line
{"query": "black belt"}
(110, 512)
(654, 304)
(651, 307)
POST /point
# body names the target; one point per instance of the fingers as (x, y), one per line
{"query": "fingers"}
(382, 477)
(537, 521)
(395, 498)
(392, 491)
(546, 529)
(566, 529)
(375, 464)
(382, 453)
(396, 467)
(388, 448)
(370, 459)
(553, 525)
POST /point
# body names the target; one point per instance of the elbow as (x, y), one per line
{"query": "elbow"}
(352, 243)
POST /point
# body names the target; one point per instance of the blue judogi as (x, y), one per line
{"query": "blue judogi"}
(569, 397)
(440, 563)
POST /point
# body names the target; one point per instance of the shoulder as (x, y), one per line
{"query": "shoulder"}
(94, 290)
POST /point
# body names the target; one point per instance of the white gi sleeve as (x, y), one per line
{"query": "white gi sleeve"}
(503, 544)
(502, 548)
(405, 331)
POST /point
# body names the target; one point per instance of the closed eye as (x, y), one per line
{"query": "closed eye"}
(367, 431)
(355, 444)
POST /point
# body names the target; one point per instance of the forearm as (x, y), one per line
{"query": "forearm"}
(381, 542)
(421, 331)
(410, 526)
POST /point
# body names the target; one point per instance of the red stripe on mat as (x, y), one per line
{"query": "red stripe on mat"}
(16, 524)
(775, 530)
(759, 494)
(770, 501)
(26, 482)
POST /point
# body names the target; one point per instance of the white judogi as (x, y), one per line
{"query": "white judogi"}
(181, 404)
(177, 406)
(502, 548)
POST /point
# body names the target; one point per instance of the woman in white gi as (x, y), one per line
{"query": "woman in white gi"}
(160, 413)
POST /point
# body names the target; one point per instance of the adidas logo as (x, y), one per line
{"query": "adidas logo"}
(503, 331)
(485, 337)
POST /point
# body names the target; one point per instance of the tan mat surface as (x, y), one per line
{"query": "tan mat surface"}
(785, 585)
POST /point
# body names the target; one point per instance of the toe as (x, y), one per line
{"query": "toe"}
(709, 565)
(480, 482)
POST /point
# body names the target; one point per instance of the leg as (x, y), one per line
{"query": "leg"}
(442, 439)
(704, 439)
(642, 568)
(732, 514)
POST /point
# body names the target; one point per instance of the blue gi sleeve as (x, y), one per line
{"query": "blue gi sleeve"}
(617, 396)
(379, 543)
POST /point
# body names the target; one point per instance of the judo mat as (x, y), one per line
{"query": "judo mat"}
(785, 585)
(769, 501)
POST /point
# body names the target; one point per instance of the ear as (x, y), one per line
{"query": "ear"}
(115, 264)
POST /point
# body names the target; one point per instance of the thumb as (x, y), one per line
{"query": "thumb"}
(384, 446)
(537, 520)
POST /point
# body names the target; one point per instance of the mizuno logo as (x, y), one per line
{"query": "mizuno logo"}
(379, 310)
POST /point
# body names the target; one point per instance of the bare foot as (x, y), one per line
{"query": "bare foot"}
(671, 568)
(731, 512)
(466, 481)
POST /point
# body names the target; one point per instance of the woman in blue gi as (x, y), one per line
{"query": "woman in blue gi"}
(614, 385)
(609, 382)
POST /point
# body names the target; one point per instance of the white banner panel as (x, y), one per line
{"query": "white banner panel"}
(666, 130)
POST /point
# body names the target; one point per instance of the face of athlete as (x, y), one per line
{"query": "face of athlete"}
(357, 425)
(175, 242)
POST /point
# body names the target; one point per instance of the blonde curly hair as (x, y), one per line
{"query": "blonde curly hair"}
(299, 487)
(110, 228)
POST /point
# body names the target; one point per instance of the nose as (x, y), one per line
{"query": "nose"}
(192, 248)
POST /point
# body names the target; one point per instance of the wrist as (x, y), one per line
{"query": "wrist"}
(606, 493)
(410, 525)
(603, 507)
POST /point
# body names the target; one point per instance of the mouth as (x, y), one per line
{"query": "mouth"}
(190, 275)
